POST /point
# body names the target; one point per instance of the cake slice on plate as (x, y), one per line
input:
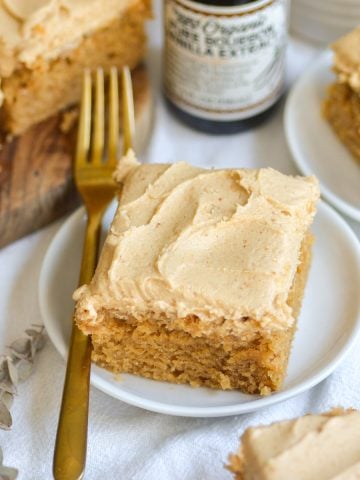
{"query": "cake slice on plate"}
(313, 447)
(46, 44)
(202, 275)
(342, 103)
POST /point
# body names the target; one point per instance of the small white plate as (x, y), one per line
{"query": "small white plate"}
(328, 325)
(315, 147)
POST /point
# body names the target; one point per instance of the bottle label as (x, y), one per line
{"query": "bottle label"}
(224, 63)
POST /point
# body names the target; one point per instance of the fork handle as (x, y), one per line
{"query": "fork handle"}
(71, 438)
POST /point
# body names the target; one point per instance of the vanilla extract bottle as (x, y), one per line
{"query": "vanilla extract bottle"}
(224, 61)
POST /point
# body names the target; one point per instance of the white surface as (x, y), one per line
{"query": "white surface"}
(324, 20)
(126, 442)
(331, 306)
(315, 147)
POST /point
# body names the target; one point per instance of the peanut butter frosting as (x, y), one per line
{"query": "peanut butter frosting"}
(321, 447)
(347, 59)
(36, 30)
(211, 243)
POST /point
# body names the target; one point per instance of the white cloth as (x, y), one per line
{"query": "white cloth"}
(126, 442)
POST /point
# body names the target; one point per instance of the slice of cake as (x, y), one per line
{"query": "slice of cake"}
(45, 46)
(314, 447)
(202, 275)
(342, 103)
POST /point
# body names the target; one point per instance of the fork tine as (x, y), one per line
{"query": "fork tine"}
(84, 129)
(113, 134)
(128, 110)
(97, 146)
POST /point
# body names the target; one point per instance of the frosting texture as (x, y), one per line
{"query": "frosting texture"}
(211, 243)
(321, 447)
(33, 30)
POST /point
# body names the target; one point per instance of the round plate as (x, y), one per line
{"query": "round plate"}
(315, 147)
(328, 325)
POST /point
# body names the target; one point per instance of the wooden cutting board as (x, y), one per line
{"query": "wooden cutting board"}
(36, 185)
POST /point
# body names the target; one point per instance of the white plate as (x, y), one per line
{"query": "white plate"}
(314, 146)
(329, 322)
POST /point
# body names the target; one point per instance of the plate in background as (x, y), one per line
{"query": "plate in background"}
(324, 21)
(314, 146)
(327, 328)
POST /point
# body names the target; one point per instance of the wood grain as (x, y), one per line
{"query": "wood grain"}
(36, 184)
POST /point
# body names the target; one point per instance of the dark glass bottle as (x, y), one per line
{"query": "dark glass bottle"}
(223, 67)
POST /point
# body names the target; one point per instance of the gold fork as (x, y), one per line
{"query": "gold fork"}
(93, 179)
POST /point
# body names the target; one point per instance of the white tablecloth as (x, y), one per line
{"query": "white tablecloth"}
(126, 442)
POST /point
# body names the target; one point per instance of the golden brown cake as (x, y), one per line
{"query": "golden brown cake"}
(46, 44)
(202, 275)
(313, 447)
(342, 103)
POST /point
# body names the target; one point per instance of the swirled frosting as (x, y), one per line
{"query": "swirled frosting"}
(321, 447)
(211, 243)
(41, 29)
(347, 59)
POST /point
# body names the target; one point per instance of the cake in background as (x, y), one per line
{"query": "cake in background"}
(321, 447)
(46, 44)
(341, 106)
(202, 275)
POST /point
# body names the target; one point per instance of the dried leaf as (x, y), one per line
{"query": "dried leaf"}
(40, 342)
(12, 371)
(31, 332)
(7, 473)
(39, 326)
(24, 369)
(5, 417)
(14, 368)
(7, 386)
(7, 398)
(32, 350)
(21, 346)
(3, 371)
(17, 356)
